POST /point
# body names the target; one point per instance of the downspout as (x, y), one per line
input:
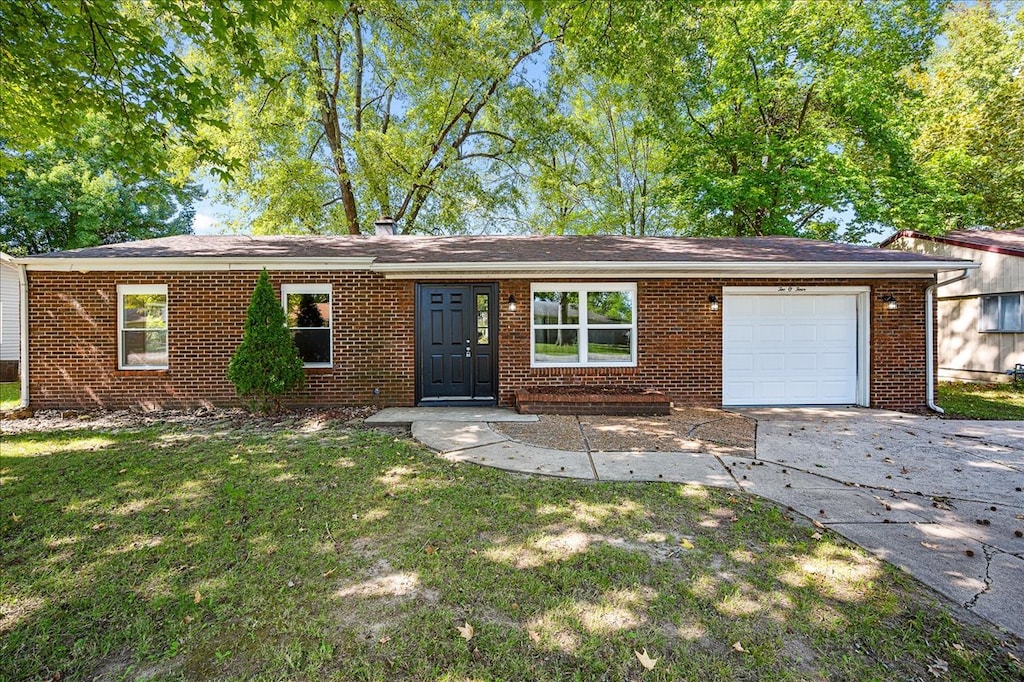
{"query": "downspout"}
(23, 319)
(929, 340)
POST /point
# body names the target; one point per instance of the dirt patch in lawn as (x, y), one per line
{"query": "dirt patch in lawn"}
(687, 429)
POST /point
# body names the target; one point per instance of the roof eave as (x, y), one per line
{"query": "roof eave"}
(192, 263)
(648, 270)
(953, 241)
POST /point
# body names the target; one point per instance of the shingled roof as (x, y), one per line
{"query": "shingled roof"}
(504, 256)
(496, 249)
(1008, 242)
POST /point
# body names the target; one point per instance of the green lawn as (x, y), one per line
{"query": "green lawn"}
(980, 401)
(231, 553)
(10, 395)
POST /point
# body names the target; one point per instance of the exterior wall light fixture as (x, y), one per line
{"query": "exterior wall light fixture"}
(512, 303)
(713, 303)
(890, 301)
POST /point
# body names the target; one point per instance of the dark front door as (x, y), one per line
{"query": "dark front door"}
(455, 340)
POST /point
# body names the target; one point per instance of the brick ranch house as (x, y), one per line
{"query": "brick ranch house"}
(400, 321)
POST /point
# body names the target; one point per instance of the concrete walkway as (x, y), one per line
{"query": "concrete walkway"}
(941, 499)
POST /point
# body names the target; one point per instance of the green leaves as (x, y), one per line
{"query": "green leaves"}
(373, 109)
(970, 121)
(79, 194)
(63, 61)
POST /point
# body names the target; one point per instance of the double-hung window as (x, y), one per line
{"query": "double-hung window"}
(1002, 313)
(142, 326)
(307, 308)
(580, 325)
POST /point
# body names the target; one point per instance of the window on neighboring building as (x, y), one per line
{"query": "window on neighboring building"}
(142, 326)
(307, 308)
(584, 324)
(1002, 313)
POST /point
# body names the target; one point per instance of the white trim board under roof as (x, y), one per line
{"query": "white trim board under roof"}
(663, 270)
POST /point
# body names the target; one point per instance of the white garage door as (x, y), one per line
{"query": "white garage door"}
(789, 349)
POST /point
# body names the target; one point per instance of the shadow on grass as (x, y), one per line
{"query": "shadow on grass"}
(981, 401)
(354, 555)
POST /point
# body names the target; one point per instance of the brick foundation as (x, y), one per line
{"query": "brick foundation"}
(73, 341)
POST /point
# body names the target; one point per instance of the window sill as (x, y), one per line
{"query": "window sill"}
(142, 371)
(603, 365)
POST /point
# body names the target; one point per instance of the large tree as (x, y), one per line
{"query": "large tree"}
(775, 114)
(970, 118)
(379, 107)
(80, 193)
(589, 158)
(62, 61)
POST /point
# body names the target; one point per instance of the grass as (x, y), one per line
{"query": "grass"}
(980, 401)
(10, 395)
(297, 553)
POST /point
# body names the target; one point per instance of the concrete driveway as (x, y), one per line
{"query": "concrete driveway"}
(941, 499)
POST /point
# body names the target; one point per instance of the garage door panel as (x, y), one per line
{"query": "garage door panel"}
(802, 362)
(803, 333)
(771, 362)
(789, 349)
(740, 362)
(802, 391)
(770, 333)
(837, 332)
(743, 333)
(800, 305)
(835, 361)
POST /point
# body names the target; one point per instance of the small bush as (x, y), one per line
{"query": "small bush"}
(266, 365)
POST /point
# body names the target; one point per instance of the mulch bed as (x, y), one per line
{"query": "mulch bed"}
(213, 418)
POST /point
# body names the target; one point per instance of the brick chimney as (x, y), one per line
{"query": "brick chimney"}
(384, 226)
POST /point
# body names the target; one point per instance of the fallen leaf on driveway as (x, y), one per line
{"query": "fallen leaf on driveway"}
(466, 631)
(817, 536)
(685, 544)
(645, 660)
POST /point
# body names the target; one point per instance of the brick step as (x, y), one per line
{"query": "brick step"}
(591, 400)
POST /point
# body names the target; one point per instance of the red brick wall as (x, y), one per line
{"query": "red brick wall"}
(679, 342)
(73, 341)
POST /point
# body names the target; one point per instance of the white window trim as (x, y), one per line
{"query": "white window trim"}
(981, 313)
(128, 290)
(584, 289)
(287, 289)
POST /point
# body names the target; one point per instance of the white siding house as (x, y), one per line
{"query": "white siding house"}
(980, 318)
(10, 323)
